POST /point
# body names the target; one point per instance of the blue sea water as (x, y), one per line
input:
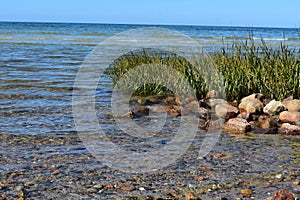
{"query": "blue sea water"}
(39, 62)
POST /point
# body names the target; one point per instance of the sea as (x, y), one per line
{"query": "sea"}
(39, 63)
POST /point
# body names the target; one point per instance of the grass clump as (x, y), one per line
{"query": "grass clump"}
(246, 67)
(121, 66)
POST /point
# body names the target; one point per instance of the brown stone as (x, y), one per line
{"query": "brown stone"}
(267, 122)
(283, 195)
(190, 196)
(258, 96)
(226, 111)
(237, 125)
(215, 124)
(252, 106)
(292, 105)
(246, 192)
(289, 117)
(200, 178)
(290, 130)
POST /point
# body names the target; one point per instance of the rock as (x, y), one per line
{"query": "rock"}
(213, 94)
(246, 192)
(283, 195)
(192, 106)
(245, 116)
(226, 111)
(257, 96)
(292, 105)
(252, 106)
(203, 113)
(213, 102)
(175, 111)
(274, 107)
(290, 130)
(215, 124)
(140, 112)
(200, 178)
(289, 117)
(190, 196)
(171, 101)
(237, 125)
(266, 122)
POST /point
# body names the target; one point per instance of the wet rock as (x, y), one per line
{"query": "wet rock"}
(203, 113)
(290, 130)
(213, 94)
(274, 107)
(175, 111)
(215, 124)
(192, 106)
(283, 195)
(292, 105)
(246, 192)
(237, 125)
(226, 111)
(252, 106)
(171, 101)
(140, 112)
(289, 117)
(267, 122)
(190, 196)
(257, 96)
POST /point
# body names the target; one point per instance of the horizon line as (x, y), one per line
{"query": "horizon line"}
(141, 24)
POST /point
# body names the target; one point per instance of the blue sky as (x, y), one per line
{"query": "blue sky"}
(268, 13)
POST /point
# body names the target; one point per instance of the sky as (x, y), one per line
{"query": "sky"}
(263, 13)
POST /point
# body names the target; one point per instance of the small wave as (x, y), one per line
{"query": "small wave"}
(270, 39)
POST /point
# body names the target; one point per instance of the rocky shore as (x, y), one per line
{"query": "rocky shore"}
(256, 157)
(252, 114)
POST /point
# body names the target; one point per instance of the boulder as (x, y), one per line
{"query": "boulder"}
(292, 105)
(237, 125)
(258, 96)
(289, 117)
(226, 111)
(290, 130)
(274, 107)
(283, 195)
(251, 106)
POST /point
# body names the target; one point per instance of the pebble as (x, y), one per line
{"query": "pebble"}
(246, 192)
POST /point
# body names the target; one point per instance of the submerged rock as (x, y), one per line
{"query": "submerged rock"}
(283, 195)
(274, 107)
(237, 125)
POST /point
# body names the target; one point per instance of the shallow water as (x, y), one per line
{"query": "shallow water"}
(38, 66)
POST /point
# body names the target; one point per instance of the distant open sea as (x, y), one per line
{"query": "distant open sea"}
(39, 61)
